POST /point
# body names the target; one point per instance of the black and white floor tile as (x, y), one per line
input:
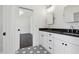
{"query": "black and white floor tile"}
(32, 50)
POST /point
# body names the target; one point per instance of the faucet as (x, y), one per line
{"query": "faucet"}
(72, 28)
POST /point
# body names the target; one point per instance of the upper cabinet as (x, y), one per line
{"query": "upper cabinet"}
(49, 18)
(71, 13)
(50, 14)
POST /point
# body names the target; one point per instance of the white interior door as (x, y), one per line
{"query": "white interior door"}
(7, 39)
(1, 29)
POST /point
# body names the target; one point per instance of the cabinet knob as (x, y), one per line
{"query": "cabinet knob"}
(62, 43)
(50, 34)
(65, 44)
(50, 40)
(50, 48)
(4, 33)
(18, 29)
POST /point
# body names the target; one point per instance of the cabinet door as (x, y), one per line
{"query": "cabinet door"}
(42, 36)
(46, 41)
(46, 44)
(1, 29)
(49, 18)
(43, 39)
(59, 47)
(71, 48)
(68, 14)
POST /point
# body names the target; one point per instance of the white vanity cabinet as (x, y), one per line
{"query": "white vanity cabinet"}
(59, 43)
(64, 44)
(46, 40)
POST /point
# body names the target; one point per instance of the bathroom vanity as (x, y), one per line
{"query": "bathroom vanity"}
(60, 41)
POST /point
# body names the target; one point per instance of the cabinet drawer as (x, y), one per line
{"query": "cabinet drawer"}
(70, 39)
(46, 34)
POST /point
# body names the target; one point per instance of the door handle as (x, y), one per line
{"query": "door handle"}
(62, 43)
(50, 34)
(4, 33)
(50, 40)
(18, 29)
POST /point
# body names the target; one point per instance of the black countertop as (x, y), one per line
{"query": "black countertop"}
(70, 32)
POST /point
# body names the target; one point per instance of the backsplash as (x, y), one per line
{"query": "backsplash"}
(75, 25)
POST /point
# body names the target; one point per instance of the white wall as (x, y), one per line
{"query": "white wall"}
(37, 21)
(23, 21)
(59, 21)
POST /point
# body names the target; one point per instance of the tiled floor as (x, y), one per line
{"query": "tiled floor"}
(32, 50)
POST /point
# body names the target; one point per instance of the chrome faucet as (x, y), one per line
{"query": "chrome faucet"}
(72, 28)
